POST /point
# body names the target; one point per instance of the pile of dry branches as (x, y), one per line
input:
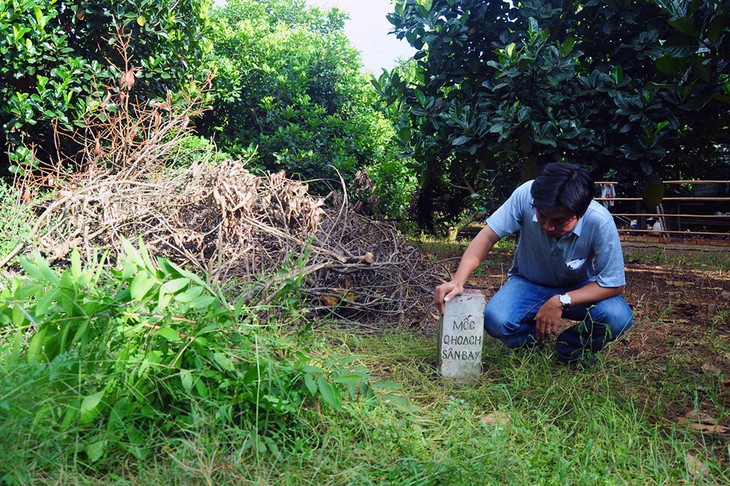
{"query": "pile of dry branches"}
(256, 235)
(252, 234)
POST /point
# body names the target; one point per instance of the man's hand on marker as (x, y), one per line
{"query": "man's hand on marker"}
(445, 292)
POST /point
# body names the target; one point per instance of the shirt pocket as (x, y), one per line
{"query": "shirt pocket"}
(576, 265)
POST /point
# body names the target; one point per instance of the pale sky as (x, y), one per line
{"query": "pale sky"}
(368, 30)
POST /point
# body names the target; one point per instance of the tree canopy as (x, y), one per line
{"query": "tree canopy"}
(58, 56)
(289, 87)
(286, 86)
(637, 88)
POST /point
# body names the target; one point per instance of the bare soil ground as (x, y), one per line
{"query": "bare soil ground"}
(681, 334)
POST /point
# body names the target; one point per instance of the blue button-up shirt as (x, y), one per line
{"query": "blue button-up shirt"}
(590, 252)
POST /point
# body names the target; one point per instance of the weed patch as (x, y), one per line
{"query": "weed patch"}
(143, 372)
(138, 359)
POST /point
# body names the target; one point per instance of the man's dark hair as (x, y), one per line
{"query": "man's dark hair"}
(563, 184)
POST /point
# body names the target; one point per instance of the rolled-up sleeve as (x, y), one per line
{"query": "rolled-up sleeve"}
(609, 259)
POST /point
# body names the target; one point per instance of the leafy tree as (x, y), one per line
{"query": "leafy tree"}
(168, 42)
(629, 86)
(289, 87)
(56, 55)
(39, 74)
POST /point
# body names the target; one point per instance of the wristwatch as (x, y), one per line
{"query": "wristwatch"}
(565, 300)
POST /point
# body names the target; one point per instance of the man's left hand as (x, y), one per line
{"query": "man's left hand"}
(548, 317)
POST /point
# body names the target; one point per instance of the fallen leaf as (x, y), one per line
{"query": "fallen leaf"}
(329, 301)
(695, 416)
(710, 369)
(695, 467)
(705, 423)
(711, 429)
(497, 418)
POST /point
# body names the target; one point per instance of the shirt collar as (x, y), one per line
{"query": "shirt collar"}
(579, 226)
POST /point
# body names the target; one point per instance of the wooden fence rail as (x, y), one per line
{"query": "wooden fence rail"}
(704, 213)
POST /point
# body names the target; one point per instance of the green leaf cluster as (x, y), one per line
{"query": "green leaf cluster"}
(150, 347)
(499, 89)
(56, 56)
(289, 88)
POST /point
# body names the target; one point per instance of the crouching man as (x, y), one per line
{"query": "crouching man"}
(568, 264)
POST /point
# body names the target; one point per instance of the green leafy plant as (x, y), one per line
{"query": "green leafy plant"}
(289, 84)
(497, 90)
(150, 346)
(56, 56)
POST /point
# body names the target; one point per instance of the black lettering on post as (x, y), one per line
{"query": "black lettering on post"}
(465, 325)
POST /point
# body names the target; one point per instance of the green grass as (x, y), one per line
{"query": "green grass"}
(699, 258)
(560, 426)
(16, 218)
(564, 426)
(527, 420)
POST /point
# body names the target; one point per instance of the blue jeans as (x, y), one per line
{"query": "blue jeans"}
(510, 317)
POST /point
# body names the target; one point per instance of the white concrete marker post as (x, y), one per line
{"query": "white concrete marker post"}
(461, 334)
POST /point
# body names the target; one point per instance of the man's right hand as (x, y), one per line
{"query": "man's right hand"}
(445, 292)
(473, 256)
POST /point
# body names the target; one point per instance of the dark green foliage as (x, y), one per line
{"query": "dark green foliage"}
(168, 39)
(40, 75)
(289, 88)
(55, 56)
(498, 91)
